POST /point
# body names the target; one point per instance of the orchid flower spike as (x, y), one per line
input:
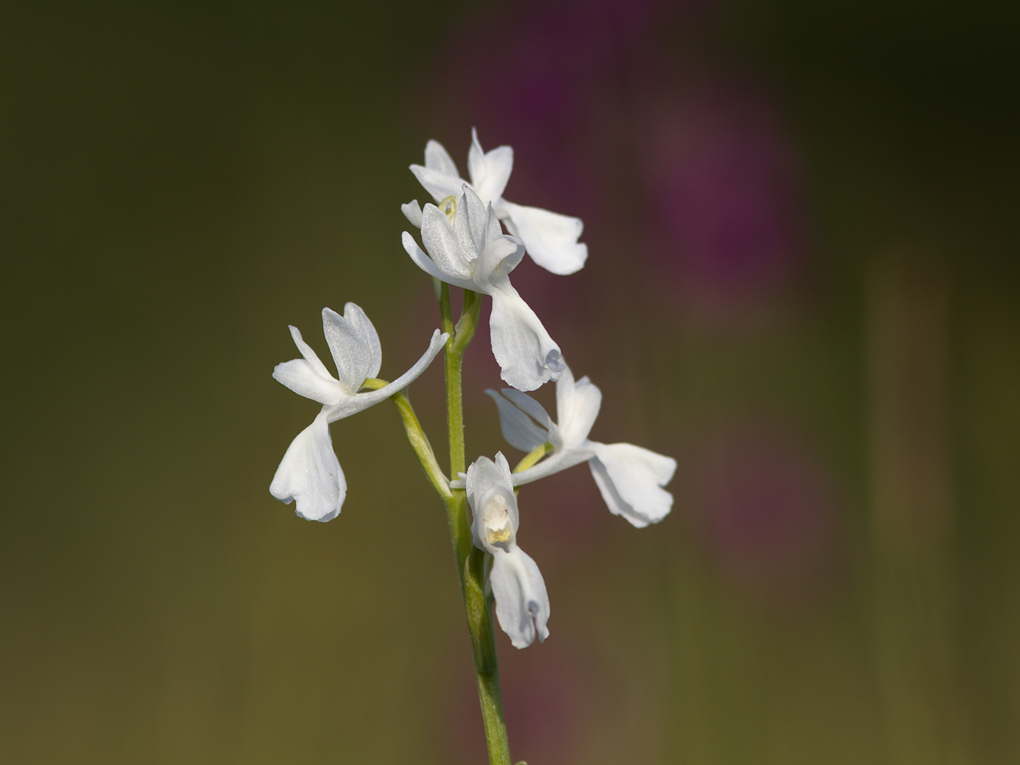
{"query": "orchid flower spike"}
(630, 477)
(467, 248)
(310, 472)
(522, 603)
(549, 238)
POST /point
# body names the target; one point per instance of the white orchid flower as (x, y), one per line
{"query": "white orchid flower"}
(630, 477)
(473, 253)
(522, 603)
(549, 238)
(310, 472)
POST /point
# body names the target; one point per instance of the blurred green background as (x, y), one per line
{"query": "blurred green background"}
(803, 229)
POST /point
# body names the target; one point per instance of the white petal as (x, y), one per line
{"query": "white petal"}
(426, 264)
(489, 171)
(504, 469)
(520, 430)
(439, 159)
(444, 245)
(412, 211)
(551, 238)
(484, 475)
(530, 407)
(439, 184)
(301, 377)
(630, 479)
(354, 345)
(494, 514)
(527, 355)
(311, 474)
(522, 602)
(577, 407)
(357, 317)
(500, 257)
(356, 403)
(309, 355)
(471, 223)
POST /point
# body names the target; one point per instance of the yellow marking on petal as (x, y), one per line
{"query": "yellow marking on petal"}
(499, 532)
(500, 536)
(449, 207)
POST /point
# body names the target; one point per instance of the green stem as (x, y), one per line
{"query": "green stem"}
(483, 644)
(470, 560)
(453, 356)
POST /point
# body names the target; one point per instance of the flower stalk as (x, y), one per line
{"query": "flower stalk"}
(470, 560)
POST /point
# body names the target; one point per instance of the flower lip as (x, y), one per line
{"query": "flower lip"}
(522, 601)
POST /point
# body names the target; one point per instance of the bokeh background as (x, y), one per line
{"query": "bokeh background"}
(803, 281)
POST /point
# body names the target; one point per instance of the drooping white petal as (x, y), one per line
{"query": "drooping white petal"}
(438, 158)
(302, 378)
(528, 357)
(631, 480)
(353, 404)
(489, 171)
(354, 344)
(522, 602)
(550, 238)
(310, 474)
(520, 430)
(426, 264)
(577, 407)
(412, 211)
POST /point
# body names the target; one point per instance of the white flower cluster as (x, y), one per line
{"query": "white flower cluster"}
(465, 246)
